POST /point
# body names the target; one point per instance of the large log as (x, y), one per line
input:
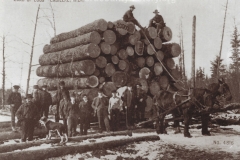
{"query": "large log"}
(144, 73)
(17, 135)
(92, 37)
(131, 38)
(122, 54)
(171, 50)
(64, 150)
(105, 47)
(20, 146)
(140, 61)
(101, 62)
(121, 27)
(170, 63)
(110, 69)
(130, 51)
(150, 61)
(151, 32)
(123, 65)
(159, 55)
(109, 36)
(131, 27)
(110, 25)
(114, 48)
(96, 72)
(157, 43)
(154, 88)
(108, 87)
(70, 83)
(150, 49)
(74, 54)
(158, 69)
(101, 80)
(139, 48)
(119, 79)
(163, 82)
(5, 124)
(98, 25)
(166, 34)
(115, 59)
(74, 69)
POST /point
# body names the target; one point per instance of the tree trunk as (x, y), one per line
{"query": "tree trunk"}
(109, 37)
(115, 59)
(108, 87)
(154, 88)
(170, 63)
(101, 62)
(122, 54)
(121, 27)
(114, 48)
(64, 150)
(159, 55)
(32, 48)
(75, 69)
(158, 69)
(21, 146)
(97, 25)
(130, 51)
(163, 82)
(150, 49)
(74, 54)
(110, 69)
(166, 34)
(140, 61)
(122, 65)
(92, 37)
(144, 73)
(193, 51)
(110, 25)
(70, 83)
(105, 48)
(150, 61)
(151, 32)
(119, 79)
(139, 48)
(3, 75)
(171, 50)
(157, 43)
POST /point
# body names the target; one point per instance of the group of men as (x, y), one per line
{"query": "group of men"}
(132, 103)
(157, 21)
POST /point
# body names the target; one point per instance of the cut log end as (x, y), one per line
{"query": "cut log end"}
(92, 81)
(101, 62)
(105, 47)
(110, 69)
(120, 79)
(109, 37)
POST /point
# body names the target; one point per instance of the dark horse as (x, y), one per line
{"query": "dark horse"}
(200, 98)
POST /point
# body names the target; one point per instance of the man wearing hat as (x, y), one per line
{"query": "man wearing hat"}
(140, 102)
(37, 97)
(157, 22)
(15, 101)
(27, 116)
(100, 106)
(46, 101)
(61, 90)
(128, 17)
(128, 103)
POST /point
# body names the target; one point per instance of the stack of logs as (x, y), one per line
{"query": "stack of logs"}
(109, 55)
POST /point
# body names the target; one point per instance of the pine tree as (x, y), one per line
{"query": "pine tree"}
(235, 42)
(200, 77)
(222, 68)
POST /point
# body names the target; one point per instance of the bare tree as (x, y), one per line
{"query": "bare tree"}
(193, 50)
(220, 52)
(32, 48)
(3, 73)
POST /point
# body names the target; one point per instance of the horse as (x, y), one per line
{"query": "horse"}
(198, 99)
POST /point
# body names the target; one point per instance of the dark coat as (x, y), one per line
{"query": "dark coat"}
(128, 98)
(46, 98)
(85, 108)
(60, 93)
(15, 98)
(157, 19)
(37, 97)
(28, 111)
(139, 94)
(128, 16)
(72, 110)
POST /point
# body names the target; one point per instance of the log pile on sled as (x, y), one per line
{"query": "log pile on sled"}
(109, 55)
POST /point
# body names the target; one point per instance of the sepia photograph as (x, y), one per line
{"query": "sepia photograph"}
(120, 80)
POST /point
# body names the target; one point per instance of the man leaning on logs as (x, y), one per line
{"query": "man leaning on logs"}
(128, 17)
(15, 102)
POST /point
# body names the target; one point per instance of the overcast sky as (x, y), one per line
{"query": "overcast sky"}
(18, 18)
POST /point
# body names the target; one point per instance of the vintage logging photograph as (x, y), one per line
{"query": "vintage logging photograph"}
(120, 80)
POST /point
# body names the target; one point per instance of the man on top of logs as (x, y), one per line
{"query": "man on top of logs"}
(15, 102)
(157, 22)
(128, 17)
(62, 90)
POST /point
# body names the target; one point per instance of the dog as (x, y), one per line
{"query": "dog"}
(54, 127)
